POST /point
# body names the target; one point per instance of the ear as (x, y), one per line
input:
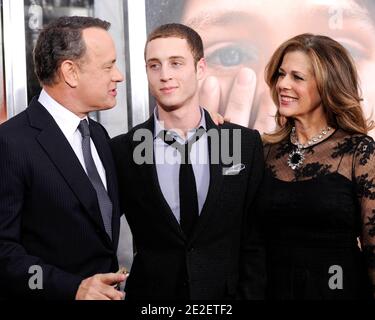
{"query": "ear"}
(201, 68)
(69, 73)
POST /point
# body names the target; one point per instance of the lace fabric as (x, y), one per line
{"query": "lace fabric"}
(330, 195)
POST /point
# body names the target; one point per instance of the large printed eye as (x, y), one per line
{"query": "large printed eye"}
(231, 55)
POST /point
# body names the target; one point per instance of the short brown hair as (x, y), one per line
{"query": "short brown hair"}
(62, 40)
(336, 78)
(178, 30)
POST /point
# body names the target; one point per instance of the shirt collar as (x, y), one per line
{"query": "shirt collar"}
(159, 126)
(66, 120)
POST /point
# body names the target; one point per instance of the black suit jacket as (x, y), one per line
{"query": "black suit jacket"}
(167, 265)
(49, 213)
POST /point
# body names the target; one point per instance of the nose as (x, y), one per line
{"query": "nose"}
(284, 83)
(117, 75)
(165, 74)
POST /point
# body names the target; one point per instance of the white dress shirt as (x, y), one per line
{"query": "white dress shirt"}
(168, 161)
(68, 123)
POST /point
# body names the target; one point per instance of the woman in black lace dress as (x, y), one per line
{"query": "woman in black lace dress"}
(317, 207)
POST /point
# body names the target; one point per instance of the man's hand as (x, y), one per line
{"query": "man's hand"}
(101, 287)
(240, 99)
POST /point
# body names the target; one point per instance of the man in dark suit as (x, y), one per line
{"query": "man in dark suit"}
(189, 208)
(59, 212)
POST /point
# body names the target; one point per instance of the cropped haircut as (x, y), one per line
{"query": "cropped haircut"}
(59, 41)
(177, 30)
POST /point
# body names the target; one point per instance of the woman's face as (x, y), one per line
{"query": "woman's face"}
(245, 33)
(298, 95)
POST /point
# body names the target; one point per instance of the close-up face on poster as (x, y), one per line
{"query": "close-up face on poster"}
(239, 37)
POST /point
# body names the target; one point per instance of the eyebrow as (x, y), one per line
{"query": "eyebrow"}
(351, 10)
(294, 72)
(169, 58)
(223, 18)
(152, 60)
(111, 61)
(176, 57)
(219, 18)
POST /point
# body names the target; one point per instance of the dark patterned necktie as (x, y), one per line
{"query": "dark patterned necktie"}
(105, 203)
(189, 210)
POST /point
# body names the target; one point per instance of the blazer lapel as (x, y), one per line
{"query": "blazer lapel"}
(149, 175)
(216, 179)
(54, 143)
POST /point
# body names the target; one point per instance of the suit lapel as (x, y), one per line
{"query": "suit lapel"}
(54, 143)
(216, 179)
(149, 175)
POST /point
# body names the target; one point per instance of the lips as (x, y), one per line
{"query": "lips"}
(284, 99)
(113, 92)
(167, 90)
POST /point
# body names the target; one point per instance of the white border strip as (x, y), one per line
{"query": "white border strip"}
(137, 40)
(14, 56)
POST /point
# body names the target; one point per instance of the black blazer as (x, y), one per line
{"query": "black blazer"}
(167, 265)
(49, 214)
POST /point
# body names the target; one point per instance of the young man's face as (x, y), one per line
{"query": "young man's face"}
(98, 74)
(172, 73)
(244, 33)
